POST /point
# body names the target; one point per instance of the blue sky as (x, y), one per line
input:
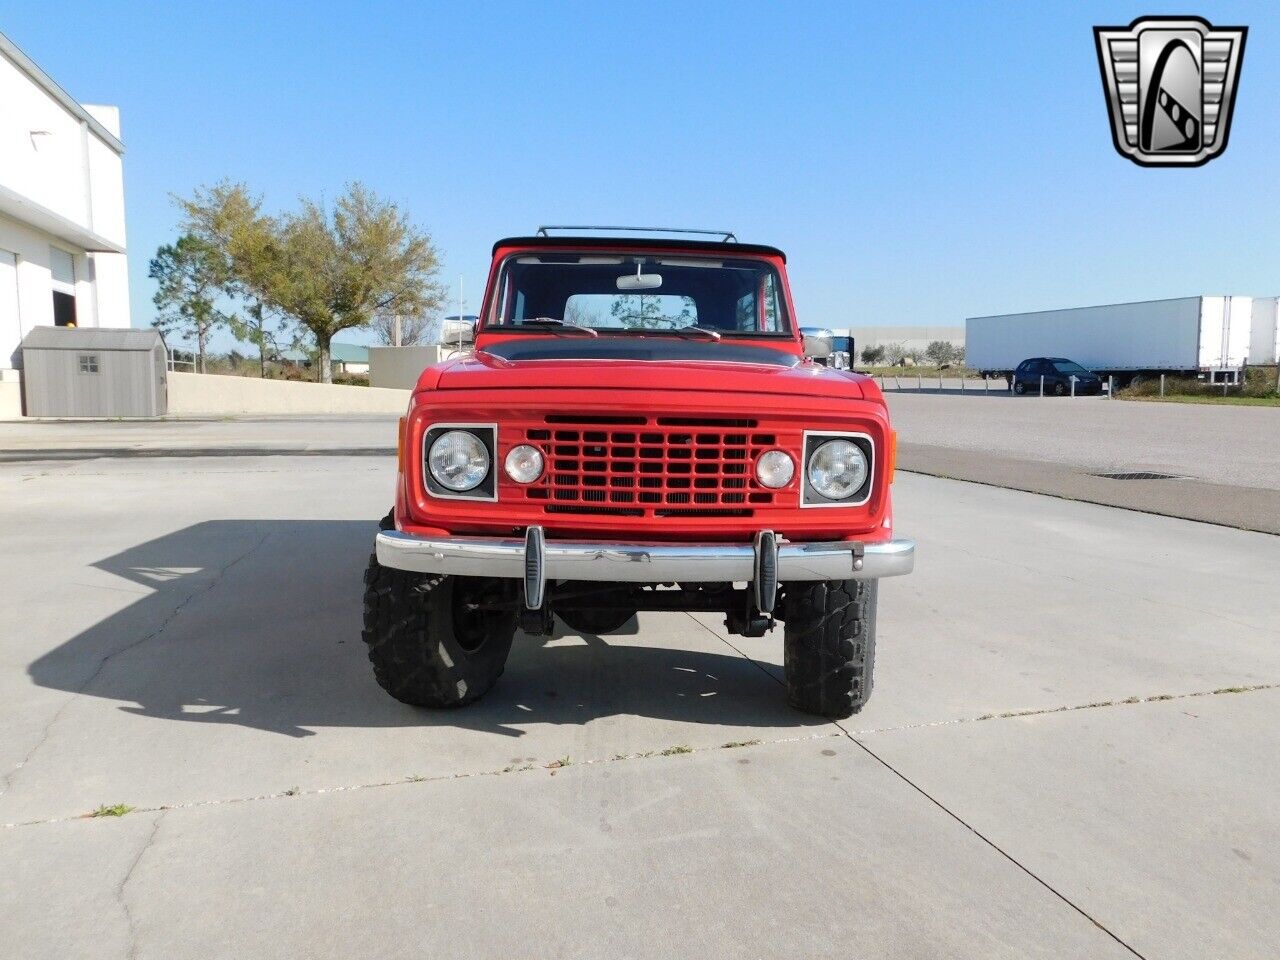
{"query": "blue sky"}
(919, 163)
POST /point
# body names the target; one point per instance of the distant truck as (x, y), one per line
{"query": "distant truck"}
(1208, 337)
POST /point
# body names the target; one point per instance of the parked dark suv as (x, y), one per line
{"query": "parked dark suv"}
(1057, 373)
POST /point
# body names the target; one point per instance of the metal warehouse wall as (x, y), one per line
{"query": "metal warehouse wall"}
(911, 338)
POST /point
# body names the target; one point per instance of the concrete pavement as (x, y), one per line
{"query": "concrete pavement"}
(183, 637)
(27, 440)
(1229, 446)
(1198, 462)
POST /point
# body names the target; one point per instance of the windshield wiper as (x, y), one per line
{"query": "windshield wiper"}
(694, 331)
(557, 326)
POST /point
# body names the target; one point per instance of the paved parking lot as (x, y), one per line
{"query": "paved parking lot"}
(1071, 751)
(1195, 461)
(1231, 445)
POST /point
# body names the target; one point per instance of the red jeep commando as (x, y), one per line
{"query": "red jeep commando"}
(641, 426)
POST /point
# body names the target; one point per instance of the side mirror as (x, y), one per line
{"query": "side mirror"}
(818, 342)
(458, 332)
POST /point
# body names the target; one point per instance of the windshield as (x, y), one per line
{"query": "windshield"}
(639, 294)
(1068, 367)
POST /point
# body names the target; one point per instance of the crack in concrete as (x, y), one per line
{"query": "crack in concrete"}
(672, 751)
(1069, 708)
(1012, 714)
(124, 882)
(972, 829)
(994, 846)
(553, 767)
(145, 638)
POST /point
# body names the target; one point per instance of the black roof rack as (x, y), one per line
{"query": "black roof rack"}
(726, 234)
(720, 247)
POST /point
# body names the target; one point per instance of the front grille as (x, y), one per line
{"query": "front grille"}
(649, 466)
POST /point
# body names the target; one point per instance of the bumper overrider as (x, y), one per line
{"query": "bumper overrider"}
(764, 563)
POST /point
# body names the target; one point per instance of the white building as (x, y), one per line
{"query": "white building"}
(911, 339)
(62, 239)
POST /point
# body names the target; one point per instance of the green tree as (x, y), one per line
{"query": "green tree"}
(872, 355)
(413, 330)
(338, 270)
(326, 270)
(228, 217)
(940, 352)
(190, 275)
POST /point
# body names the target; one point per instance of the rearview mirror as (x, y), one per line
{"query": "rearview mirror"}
(818, 342)
(640, 281)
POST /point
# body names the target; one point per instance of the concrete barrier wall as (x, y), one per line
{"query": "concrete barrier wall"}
(192, 394)
(10, 399)
(400, 367)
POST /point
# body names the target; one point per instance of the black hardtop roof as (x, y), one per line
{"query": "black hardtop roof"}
(728, 249)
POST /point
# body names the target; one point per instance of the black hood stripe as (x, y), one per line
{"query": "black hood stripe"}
(656, 348)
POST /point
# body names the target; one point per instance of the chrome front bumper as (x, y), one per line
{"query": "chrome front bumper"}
(538, 559)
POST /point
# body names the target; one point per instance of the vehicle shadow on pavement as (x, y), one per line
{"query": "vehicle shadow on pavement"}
(257, 623)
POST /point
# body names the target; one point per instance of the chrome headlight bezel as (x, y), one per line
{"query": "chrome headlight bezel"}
(813, 440)
(487, 435)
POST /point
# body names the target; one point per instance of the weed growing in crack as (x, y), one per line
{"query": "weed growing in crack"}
(114, 810)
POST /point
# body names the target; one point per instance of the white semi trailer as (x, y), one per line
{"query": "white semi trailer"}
(1211, 337)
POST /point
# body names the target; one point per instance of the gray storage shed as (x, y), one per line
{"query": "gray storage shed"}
(75, 372)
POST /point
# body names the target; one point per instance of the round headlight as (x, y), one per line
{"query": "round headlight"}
(775, 469)
(837, 469)
(524, 463)
(458, 461)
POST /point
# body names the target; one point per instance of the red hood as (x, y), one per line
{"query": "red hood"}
(481, 371)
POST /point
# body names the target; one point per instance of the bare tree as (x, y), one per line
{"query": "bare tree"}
(576, 313)
(413, 330)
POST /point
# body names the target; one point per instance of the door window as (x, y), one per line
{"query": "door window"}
(62, 270)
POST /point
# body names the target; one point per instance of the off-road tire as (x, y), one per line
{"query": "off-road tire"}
(829, 645)
(417, 654)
